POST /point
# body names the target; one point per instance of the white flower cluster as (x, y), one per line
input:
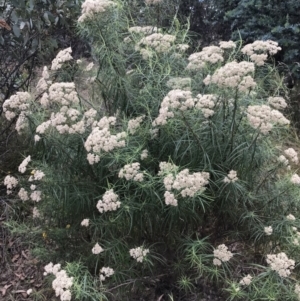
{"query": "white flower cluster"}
(268, 230)
(144, 154)
(89, 66)
(277, 102)
(37, 175)
(210, 54)
(258, 51)
(91, 7)
(62, 283)
(296, 240)
(231, 177)
(97, 249)
(106, 272)
(227, 45)
(188, 184)
(22, 122)
(23, 165)
(134, 124)
(139, 253)
(205, 103)
(63, 94)
(175, 99)
(36, 196)
(101, 139)
(35, 213)
(292, 154)
(281, 264)
(170, 199)
(131, 172)
(182, 100)
(62, 57)
(44, 81)
(166, 168)
(159, 42)
(16, 104)
(23, 194)
(282, 159)
(233, 75)
(85, 222)
(295, 179)
(263, 117)
(10, 182)
(290, 217)
(145, 30)
(109, 202)
(246, 280)
(182, 47)
(221, 254)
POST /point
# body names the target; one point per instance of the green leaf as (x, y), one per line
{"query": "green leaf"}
(16, 31)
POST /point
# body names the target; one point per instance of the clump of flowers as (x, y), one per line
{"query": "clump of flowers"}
(37, 175)
(91, 7)
(258, 51)
(170, 199)
(23, 165)
(106, 272)
(205, 103)
(23, 194)
(16, 104)
(233, 75)
(134, 124)
(131, 172)
(35, 213)
(97, 249)
(62, 57)
(62, 283)
(278, 102)
(246, 280)
(109, 202)
(292, 154)
(159, 42)
(85, 222)
(268, 230)
(101, 139)
(10, 182)
(231, 177)
(281, 264)
(139, 253)
(175, 99)
(210, 54)
(282, 159)
(36, 196)
(295, 179)
(44, 81)
(227, 45)
(221, 254)
(144, 154)
(290, 217)
(263, 117)
(145, 30)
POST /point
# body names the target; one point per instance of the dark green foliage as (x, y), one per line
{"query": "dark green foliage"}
(269, 20)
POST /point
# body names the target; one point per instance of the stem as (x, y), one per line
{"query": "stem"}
(193, 133)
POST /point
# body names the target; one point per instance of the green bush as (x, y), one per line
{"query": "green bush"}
(160, 164)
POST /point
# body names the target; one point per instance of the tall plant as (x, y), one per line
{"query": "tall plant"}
(174, 166)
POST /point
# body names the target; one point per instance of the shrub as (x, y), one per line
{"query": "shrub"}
(182, 173)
